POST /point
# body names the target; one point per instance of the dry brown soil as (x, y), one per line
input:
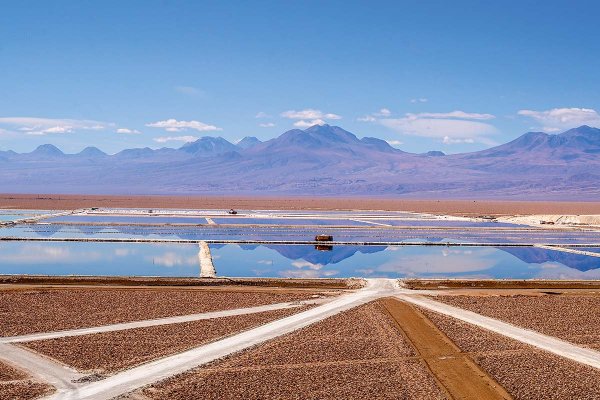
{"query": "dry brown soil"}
(276, 284)
(571, 317)
(457, 207)
(113, 351)
(15, 384)
(454, 370)
(524, 371)
(358, 354)
(485, 284)
(8, 373)
(39, 309)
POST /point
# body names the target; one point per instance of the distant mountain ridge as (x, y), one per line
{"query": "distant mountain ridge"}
(320, 160)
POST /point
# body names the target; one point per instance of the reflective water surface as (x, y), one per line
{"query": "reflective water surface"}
(299, 233)
(120, 259)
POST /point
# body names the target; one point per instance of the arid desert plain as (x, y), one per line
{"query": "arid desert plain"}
(179, 298)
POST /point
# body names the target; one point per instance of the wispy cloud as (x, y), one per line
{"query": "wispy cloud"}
(309, 117)
(189, 90)
(171, 259)
(306, 264)
(383, 112)
(367, 118)
(262, 115)
(454, 114)
(419, 100)
(308, 123)
(309, 113)
(165, 139)
(558, 119)
(394, 142)
(451, 127)
(449, 140)
(307, 274)
(173, 125)
(127, 131)
(45, 126)
(267, 125)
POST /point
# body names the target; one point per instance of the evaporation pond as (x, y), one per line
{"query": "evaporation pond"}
(288, 221)
(445, 223)
(294, 261)
(125, 219)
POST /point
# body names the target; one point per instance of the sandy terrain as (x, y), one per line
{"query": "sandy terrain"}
(354, 355)
(112, 351)
(525, 372)
(51, 309)
(457, 207)
(575, 318)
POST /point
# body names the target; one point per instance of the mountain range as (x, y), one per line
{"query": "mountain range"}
(320, 160)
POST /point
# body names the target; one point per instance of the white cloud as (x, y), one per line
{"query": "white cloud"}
(308, 124)
(449, 127)
(306, 264)
(384, 112)
(165, 139)
(38, 254)
(309, 117)
(262, 115)
(394, 142)
(171, 259)
(367, 118)
(419, 100)
(558, 119)
(124, 252)
(172, 125)
(189, 90)
(44, 126)
(439, 262)
(453, 114)
(266, 125)
(449, 140)
(126, 131)
(307, 274)
(309, 114)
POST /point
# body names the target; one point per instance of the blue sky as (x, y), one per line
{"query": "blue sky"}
(431, 75)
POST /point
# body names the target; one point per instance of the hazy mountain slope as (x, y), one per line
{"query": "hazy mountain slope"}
(320, 160)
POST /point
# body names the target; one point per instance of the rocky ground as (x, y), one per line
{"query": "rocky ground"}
(525, 372)
(354, 355)
(109, 352)
(16, 385)
(51, 309)
(571, 317)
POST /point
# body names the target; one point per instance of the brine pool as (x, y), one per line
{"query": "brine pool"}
(294, 261)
